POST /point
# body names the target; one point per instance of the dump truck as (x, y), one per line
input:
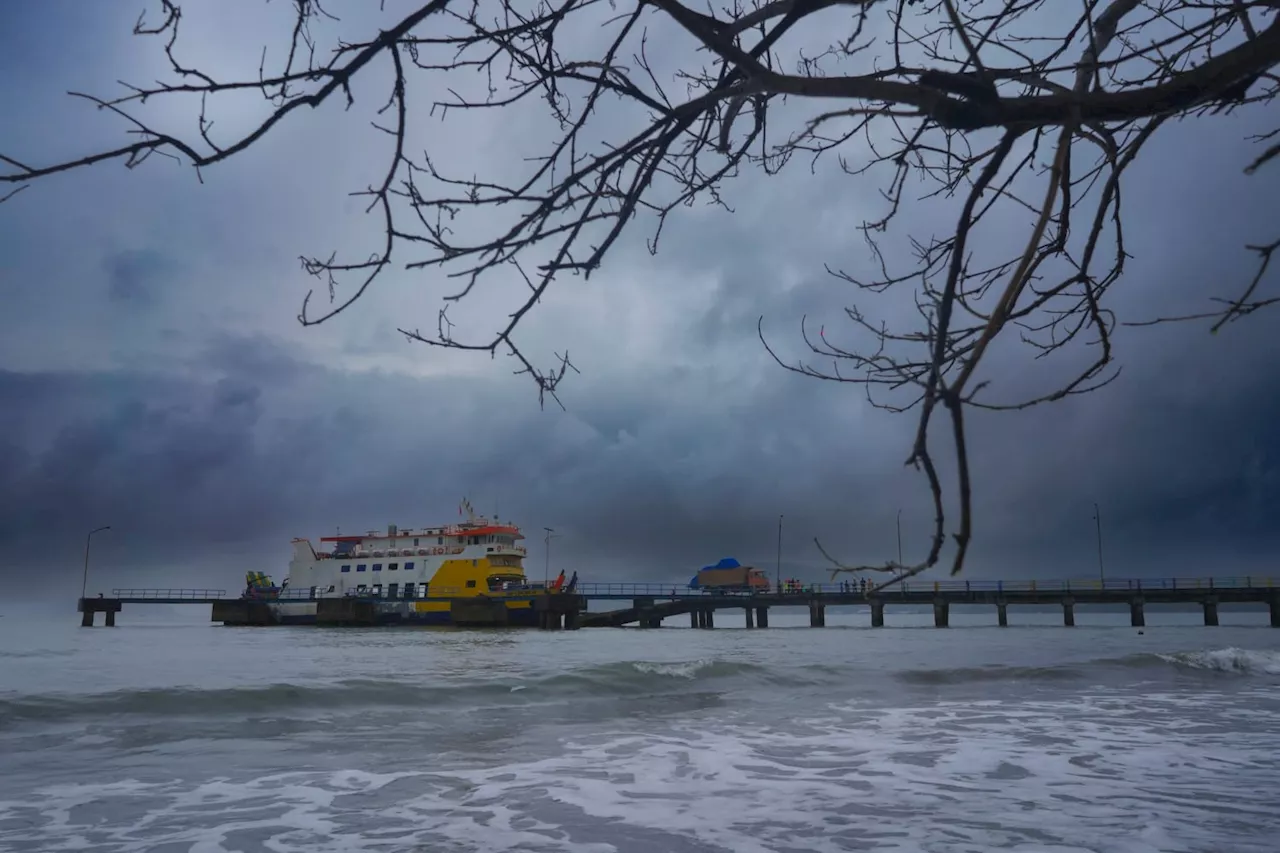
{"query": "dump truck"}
(729, 575)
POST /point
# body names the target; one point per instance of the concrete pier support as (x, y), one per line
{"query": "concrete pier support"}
(750, 616)
(1211, 612)
(1137, 613)
(87, 607)
(1069, 613)
(695, 618)
(710, 617)
(941, 614)
(762, 617)
(877, 614)
(1002, 614)
(1275, 610)
(549, 620)
(817, 615)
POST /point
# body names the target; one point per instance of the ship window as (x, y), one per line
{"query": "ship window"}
(408, 590)
(392, 590)
(439, 540)
(415, 542)
(408, 567)
(360, 567)
(347, 568)
(473, 562)
(471, 584)
(393, 566)
(377, 589)
(377, 567)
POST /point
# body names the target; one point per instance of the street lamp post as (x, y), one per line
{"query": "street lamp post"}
(1097, 519)
(778, 568)
(546, 574)
(84, 584)
(899, 537)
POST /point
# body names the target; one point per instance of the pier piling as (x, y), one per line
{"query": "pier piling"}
(1002, 614)
(941, 614)
(695, 619)
(877, 614)
(1137, 613)
(749, 617)
(1069, 613)
(817, 615)
(762, 617)
(1211, 612)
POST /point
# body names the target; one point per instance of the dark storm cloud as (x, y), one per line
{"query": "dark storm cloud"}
(207, 443)
(137, 276)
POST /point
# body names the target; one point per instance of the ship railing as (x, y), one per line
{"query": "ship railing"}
(182, 594)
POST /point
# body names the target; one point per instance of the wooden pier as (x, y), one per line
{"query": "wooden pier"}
(649, 611)
(648, 605)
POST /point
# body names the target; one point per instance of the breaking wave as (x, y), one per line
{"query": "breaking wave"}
(1232, 659)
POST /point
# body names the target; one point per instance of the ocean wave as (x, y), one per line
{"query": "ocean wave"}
(1228, 660)
(1231, 659)
(615, 679)
(622, 678)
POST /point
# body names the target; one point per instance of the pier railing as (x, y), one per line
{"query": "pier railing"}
(658, 590)
(151, 594)
(670, 591)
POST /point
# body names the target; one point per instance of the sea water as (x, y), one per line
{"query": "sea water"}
(169, 734)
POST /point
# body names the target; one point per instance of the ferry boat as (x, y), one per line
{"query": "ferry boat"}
(411, 575)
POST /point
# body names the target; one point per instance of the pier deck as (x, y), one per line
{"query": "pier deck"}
(648, 604)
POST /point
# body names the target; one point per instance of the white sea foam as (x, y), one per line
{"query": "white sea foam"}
(678, 669)
(1165, 773)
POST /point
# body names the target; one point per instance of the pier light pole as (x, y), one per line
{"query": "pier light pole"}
(546, 574)
(899, 537)
(778, 567)
(1097, 520)
(84, 584)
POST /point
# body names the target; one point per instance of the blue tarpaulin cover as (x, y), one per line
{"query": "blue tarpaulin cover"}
(725, 563)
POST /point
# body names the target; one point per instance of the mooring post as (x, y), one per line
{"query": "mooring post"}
(1069, 612)
(750, 617)
(941, 614)
(1137, 615)
(1211, 611)
(762, 617)
(1002, 614)
(877, 614)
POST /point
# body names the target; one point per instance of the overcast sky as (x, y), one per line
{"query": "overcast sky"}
(153, 375)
